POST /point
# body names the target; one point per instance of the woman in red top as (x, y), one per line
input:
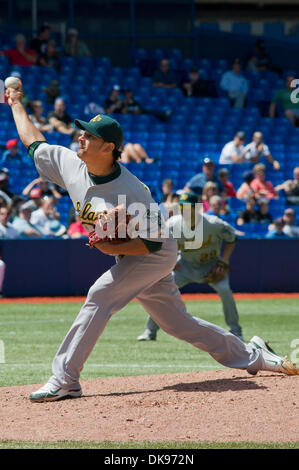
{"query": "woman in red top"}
(76, 229)
(261, 187)
(226, 187)
(20, 55)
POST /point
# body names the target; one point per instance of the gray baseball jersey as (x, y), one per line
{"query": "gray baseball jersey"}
(62, 166)
(214, 231)
(194, 264)
(145, 277)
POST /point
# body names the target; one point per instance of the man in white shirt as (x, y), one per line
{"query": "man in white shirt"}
(257, 149)
(235, 85)
(290, 227)
(42, 217)
(233, 151)
(22, 222)
(6, 228)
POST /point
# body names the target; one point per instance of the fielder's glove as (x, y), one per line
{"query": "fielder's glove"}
(111, 226)
(218, 271)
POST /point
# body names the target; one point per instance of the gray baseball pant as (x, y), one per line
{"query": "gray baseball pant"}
(149, 278)
(186, 274)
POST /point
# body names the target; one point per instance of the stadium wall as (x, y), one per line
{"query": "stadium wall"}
(68, 267)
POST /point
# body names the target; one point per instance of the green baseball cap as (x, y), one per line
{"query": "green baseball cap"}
(105, 127)
(188, 198)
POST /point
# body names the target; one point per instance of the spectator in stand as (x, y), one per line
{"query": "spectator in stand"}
(256, 149)
(76, 229)
(60, 120)
(52, 91)
(22, 222)
(38, 120)
(40, 42)
(263, 214)
(93, 108)
(16, 202)
(216, 207)
(50, 58)
(46, 188)
(210, 189)
(57, 230)
(291, 189)
(135, 153)
(245, 190)
(167, 190)
(226, 188)
(20, 55)
(74, 46)
(291, 227)
(35, 199)
(6, 228)
(233, 151)
(164, 77)
(5, 192)
(283, 98)
(113, 103)
(260, 60)
(277, 231)
(235, 85)
(261, 187)
(42, 217)
(249, 214)
(170, 206)
(75, 143)
(195, 86)
(131, 106)
(12, 153)
(197, 182)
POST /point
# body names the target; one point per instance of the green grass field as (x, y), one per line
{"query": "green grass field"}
(31, 334)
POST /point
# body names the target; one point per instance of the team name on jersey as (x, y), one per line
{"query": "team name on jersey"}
(86, 214)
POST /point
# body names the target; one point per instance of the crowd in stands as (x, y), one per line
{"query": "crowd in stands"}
(34, 213)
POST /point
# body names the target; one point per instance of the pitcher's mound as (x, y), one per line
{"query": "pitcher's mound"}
(224, 405)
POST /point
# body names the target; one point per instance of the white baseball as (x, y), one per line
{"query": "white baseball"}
(13, 82)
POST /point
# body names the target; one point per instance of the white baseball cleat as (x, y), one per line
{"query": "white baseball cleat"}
(147, 336)
(260, 343)
(49, 392)
(271, 361)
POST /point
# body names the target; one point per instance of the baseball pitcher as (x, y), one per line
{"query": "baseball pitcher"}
(94, 180)
(205, 264)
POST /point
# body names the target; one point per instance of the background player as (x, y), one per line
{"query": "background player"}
(195, 265)
(94, 179)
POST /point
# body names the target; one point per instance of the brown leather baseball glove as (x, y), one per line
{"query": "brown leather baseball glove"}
(218, 271)
(111, 226)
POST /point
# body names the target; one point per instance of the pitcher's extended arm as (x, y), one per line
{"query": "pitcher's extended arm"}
(27, 131)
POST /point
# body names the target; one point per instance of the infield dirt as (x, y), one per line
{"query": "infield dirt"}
(225, 405)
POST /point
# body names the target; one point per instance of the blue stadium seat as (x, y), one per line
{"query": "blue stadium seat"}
(241, 28)
(103, 62)
(208, 147)
(155, 144)
(274, 30)
(187, 64)
(236, 204)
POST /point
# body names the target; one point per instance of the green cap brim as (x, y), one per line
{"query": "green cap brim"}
(87, 126)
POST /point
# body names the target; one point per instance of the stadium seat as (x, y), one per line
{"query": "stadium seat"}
(274, 30)
(241, 28)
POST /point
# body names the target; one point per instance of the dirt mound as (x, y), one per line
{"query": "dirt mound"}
(225, 405)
